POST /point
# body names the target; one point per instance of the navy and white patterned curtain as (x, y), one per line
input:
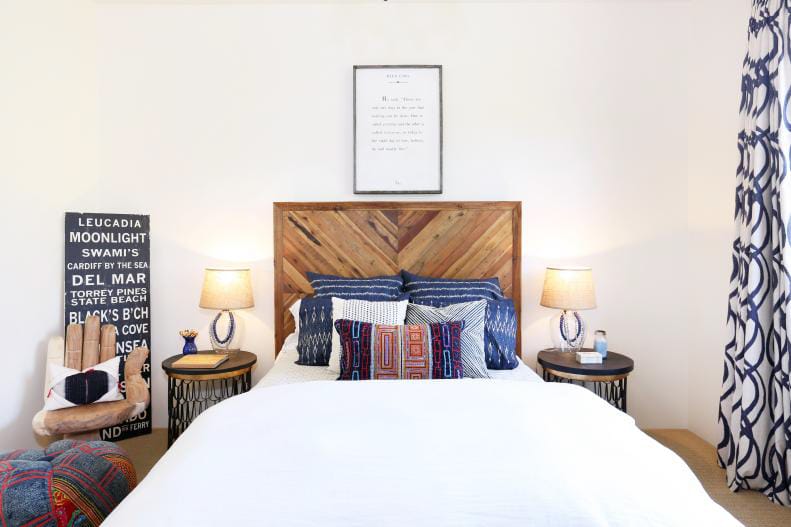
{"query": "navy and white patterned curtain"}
(755, 407)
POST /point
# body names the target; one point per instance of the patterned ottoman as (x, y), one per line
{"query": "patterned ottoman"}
(70, 483)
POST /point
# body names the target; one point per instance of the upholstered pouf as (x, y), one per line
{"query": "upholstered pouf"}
(74, 483)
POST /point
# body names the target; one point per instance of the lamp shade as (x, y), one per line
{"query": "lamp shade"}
(568, 288)
(226, 289)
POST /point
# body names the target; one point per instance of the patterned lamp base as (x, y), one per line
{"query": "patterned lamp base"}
(568, 331)
(222, 344)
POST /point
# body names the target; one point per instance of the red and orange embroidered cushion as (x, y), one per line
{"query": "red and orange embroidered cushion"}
(418, 351)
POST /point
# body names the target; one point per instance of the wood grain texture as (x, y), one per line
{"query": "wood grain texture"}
(108, 339)
(73, 358)
(472, 239)
(91, 334)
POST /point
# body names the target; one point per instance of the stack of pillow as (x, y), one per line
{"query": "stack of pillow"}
(406, 326)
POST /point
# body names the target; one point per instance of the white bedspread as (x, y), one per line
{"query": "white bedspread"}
(433, 453)
(285, 371)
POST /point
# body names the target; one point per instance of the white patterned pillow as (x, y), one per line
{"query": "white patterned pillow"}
(473, 355)
(67, 387)
(390, 313)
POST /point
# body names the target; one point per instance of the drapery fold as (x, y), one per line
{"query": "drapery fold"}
(755, 406)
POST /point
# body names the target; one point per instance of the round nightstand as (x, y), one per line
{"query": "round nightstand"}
(608, 378)
(192, 390)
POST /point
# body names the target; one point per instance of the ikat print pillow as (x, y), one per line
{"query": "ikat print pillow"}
(389, 313)
(473, 314)
(440, 292)
(414, 351)
(294, 310)
(314, 339)
(499, 338)
(378, 288)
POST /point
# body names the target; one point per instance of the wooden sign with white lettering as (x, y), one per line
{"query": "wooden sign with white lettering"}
(107, 274)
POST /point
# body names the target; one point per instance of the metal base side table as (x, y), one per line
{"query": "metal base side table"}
(193, 390)
(608, 378)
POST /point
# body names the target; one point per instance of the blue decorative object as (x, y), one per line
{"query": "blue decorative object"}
(600, 343)
(373, 289)
(441, 292)
(575, 337)
(189, 345)
(754, 413)
(499, 335)
(225, 342)
(315, 331)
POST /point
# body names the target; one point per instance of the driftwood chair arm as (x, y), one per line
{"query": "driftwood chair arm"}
(136, 387)
(81, 419)
(89, 417)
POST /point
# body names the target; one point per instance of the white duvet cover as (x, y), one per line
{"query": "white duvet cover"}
(415, 453)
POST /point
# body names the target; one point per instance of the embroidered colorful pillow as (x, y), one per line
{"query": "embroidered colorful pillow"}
(314, 333)
(499, 337)
(372, 289)
(389, 313)
(416, 351)
(473, 314)
(440, 292)
(70, 483)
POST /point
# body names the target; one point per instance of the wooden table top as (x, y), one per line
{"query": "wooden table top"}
(237, 360)
(565, 361)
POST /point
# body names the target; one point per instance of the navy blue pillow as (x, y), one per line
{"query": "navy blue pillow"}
(377, 288)
(499, 335)
(441, 292)
(315, 331)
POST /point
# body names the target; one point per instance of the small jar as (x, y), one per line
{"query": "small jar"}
(600, 343)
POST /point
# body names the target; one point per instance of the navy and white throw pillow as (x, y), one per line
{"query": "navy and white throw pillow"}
(441, 292)
(499, 338)
(374, 289)
(473, 314)
(314, 331)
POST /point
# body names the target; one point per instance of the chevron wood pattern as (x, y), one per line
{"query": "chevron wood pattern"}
(473, 239)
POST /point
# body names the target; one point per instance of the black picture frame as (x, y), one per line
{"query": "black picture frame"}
(439, 188)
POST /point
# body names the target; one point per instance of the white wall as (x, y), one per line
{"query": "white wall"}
(48, 164)
(203, 114)
(719, 44)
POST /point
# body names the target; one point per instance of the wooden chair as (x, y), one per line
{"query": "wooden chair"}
(85, 347)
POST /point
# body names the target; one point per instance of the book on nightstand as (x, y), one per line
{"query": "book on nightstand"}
(588, 357)
(200, 361)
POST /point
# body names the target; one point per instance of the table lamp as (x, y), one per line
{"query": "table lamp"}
(226, 290)
(568, 289)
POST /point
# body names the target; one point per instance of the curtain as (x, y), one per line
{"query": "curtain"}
(755, 407)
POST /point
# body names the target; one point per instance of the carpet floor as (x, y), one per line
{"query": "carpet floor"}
(751, 508)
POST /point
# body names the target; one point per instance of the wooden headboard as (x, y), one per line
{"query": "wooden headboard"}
(450, 239)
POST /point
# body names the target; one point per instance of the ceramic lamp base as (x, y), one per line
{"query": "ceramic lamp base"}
(568, 331)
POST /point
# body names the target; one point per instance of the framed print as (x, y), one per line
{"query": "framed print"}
(397, 129)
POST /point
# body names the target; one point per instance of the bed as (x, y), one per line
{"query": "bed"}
(303, 449)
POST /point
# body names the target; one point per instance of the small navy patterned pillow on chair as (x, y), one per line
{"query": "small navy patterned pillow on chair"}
(441, 292)
(499, 335)
(372, 289)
